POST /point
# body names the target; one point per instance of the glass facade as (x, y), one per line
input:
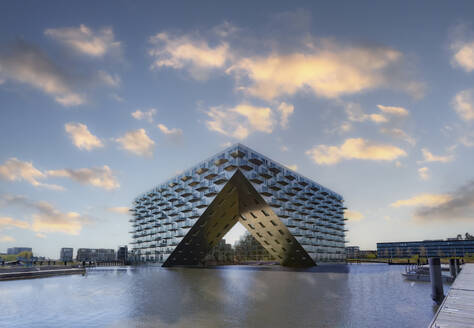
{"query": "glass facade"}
(297, 220)
(430, 248)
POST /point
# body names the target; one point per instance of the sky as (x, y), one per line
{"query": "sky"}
(101, 101)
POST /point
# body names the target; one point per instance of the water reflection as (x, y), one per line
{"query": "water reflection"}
(326, 296)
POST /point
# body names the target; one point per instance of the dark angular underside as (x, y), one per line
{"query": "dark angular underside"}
(238, 201)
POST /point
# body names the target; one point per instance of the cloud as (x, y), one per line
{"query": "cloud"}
(101, 177)
(40, 235)
(81, 136)
(293, 167)
(327, 69)
(25, 63)
(144, 115)
(464, 56)
(423, 200)
(85, 41)
(49, 219)
(175, 132)
(463, 104)
(429, 157)
(424, 173)
(137, 142)
(8, 222)
(45, 217)
(355, 113)
(354, 148)
(462, 47)
(399, 134)
(112, 80)
(119, 210)
(241, 120)
(392, 110)
(286, 110)
(6, 239)
(185, 52)
(16, 170)
(353, 215)
(458, 205)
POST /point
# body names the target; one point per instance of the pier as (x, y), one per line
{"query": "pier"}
(456, 311)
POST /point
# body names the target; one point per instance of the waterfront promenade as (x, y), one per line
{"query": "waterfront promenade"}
(456, 311)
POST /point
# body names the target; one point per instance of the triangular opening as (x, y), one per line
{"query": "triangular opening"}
(238, 201)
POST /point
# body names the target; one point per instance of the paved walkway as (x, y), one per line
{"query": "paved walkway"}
(457, 310)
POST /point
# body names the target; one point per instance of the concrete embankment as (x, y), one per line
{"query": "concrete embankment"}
(38, 273)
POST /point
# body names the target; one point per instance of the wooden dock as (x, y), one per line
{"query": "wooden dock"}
(457, 309)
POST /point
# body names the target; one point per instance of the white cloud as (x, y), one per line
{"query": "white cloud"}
(286, 110)
(423, 200)
(16, 170)
(195, 55)
(40, 235)
(8, 222)
(144, 115)
(175, 132)
(119, 210)
(137, 142)
(328, 70)
(424, 173)
(50, 219)
(6, 239)
(355, 113)
(82, 137)
(392, 110)
(353, 215)
(462, 47)
(429, 157)
(112, 80)
(463, 103)
(85, 41)
(45, 217)
(101, 177)
(354, 148)
(241, 120)
(399, 134)
(27, 64)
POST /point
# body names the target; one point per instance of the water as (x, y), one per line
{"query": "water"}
(359, 295)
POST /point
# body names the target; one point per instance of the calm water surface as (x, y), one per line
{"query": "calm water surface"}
(359, 295)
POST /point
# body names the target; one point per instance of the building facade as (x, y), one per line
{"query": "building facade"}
(66, 254)
(298, 221)
(18, 250)
(429, 248)
(352, 252)
(122, 254)
(95, 255)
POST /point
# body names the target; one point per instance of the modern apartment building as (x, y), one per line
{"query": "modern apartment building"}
(95, 255)
(429, 248)
(66, 254)
(298, 221)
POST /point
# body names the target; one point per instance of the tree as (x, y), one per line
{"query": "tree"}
(25, 255)
(469, 236)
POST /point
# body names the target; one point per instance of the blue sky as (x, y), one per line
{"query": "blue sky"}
(102, 101)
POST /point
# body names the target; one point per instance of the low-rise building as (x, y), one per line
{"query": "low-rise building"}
(95, 255)
(18, 250)
(352, 252)
(428, 248)
(66, 254)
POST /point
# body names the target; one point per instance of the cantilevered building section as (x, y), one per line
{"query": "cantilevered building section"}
(298, 221)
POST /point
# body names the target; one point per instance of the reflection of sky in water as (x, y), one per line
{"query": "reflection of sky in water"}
(326, 296)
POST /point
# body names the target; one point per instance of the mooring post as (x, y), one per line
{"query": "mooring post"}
(452, 268)
(458, 266)
(437, 292)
